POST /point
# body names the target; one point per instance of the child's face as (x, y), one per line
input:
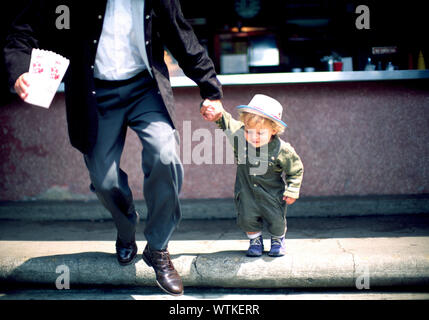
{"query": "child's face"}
(258, 134)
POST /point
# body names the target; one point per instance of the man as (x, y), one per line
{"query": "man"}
(117, 78)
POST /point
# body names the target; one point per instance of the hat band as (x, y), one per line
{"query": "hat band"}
(263, 111)
(249, 107)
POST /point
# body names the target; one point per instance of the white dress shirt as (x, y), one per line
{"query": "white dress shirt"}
(121, 51)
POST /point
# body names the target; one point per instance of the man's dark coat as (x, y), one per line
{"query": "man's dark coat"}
(164, 26)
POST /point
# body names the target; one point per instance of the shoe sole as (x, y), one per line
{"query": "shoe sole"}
(146, 260)
(170, 293)
(253, 255)
(280, 254)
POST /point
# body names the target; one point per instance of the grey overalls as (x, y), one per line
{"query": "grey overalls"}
(259, 184)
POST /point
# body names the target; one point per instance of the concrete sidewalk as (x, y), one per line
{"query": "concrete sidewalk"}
(353, 252)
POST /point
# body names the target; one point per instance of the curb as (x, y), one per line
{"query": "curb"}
(325, 263)
(221, 208)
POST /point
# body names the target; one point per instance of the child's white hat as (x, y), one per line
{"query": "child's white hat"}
(264, 106)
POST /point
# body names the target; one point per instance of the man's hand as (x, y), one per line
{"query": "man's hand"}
(289, 200)
(21, 85)
(211, 110)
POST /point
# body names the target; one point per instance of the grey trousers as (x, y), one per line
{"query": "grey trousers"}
(135, 103)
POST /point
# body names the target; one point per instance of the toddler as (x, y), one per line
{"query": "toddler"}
(269, 171)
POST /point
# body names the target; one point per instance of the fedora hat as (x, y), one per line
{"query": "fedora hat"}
(264, 106)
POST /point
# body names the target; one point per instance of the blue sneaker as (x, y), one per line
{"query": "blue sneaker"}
(256, 247)
(278, 247)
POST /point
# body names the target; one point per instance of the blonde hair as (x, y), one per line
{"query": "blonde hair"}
(251, 119)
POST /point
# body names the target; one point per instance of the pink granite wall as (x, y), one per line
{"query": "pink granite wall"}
(356, 138)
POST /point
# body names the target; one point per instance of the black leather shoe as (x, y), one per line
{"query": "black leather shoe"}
(126, 253)
(167, 277)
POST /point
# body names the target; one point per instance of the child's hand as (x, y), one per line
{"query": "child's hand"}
(289, 200)
(211, 110)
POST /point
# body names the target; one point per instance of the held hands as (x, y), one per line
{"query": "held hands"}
(211, 110)
(21, 85)
(289, 200)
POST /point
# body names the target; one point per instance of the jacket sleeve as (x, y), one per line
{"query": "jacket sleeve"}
(293, 169)
(234, 133)
(228, 123)
(21, 39)
(182, 42)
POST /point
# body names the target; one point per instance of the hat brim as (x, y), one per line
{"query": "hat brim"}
(244, 108)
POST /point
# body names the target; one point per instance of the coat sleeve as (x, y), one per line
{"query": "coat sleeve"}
(293, 169)
(23, 36)
(182, 42)
(234, 132)
(227, 122)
